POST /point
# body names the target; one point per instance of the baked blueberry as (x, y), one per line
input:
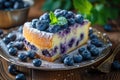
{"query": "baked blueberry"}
(116, 65)
(12, 36)
(31, 54)
(77, 58)
(80, 50)
(20, 77)
(69, 61)
(37, 62)
(86, 55)
(34, 23)
(71, 42)
(12, 69)
(12, 51)
(22, 57)
(94, 51)
(63, 57)
(6, 40)
(79, 18)
(19, 45)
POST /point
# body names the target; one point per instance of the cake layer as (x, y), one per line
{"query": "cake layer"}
(50, 46)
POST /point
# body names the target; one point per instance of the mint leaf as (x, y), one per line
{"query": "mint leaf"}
(53, 18)
(62, 21)
(82, 6)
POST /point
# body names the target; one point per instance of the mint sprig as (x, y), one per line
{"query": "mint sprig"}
(57, 21)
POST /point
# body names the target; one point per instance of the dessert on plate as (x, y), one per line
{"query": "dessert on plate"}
(56, 33)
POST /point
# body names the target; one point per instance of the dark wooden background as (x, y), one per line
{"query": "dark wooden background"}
(78, 74)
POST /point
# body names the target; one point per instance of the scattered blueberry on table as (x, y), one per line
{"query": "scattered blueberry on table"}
(31, 54)
(12, 36)
(107, 27)
(86, 55)
(63, 57)
(12, 51)
(12, 69)
(6, 40)
(37, 62)
(22, 57)
(20, 77)
(77, 58)
(19, 45)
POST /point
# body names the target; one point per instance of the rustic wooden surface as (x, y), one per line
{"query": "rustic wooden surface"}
(78, 74)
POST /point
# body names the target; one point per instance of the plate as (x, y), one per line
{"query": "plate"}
(57, 65)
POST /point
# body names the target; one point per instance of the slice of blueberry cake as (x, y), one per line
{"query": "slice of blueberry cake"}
(56, 33)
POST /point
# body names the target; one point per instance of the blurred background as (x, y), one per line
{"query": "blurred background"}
(99, 12)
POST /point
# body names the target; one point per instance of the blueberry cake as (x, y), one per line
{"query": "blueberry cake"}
(56, 33)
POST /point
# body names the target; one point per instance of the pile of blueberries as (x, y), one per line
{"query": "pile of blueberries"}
(10, 5)
(88, 52)
(43, 23)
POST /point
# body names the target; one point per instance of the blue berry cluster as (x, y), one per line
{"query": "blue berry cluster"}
(13, 70)
(43, 23)
(88, 52)
(13, 4)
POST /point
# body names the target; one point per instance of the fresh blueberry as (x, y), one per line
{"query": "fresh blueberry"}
(21, 39)
(69, 61)
(1, 32)
(12, 69)
(64, 26)
(71, 21)
(89, 46)
(86, 55)
(94, 51)
(57, 10)
(79, 18)
(18, 5)
(20, 77)
(6, 40)
(45, 16)
(26, 4)
(19, 45)
(116, 65)
(70, 14)
(108, 27)
(90, 32)
(77, 58)
(93, 36)
(22, 57)
(42, 25)
(12, 36)
(80, 50)
(34, 23)
(54, 28)
(10, 45)
(31, 54)
(8, 4)
(64, 12)
(96, 42)
(63, 57)
(12, 51)
(37, 62)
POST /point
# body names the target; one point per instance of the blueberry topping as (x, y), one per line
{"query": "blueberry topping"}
(22, 57)
(71, 21)
(116, 65)
(69, 61)
(12, 36)
(79, 18)
(12, 69)
(12, 51)
(20, 77)
(94, 51)
(86, 55)
(77, 58)
(34, 23)
(37, 62)
(63, 57)
(54, 28)
(108, 27)
(45, 16)
(6, 40)
(46, 53)
(69, 15)
(31, 54)
(80, 50)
